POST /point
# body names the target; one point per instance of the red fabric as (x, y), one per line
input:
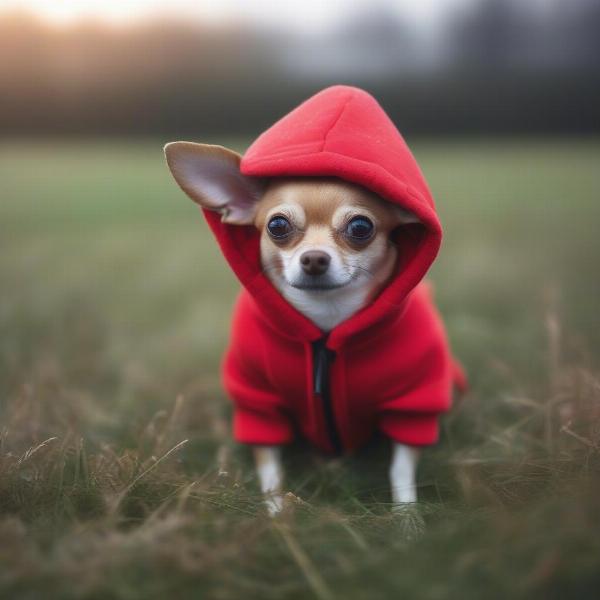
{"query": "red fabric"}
(393, 370)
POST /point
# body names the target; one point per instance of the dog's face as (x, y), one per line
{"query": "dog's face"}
(321, 234)
(323, 240)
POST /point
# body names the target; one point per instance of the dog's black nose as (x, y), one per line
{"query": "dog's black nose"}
(315, 262)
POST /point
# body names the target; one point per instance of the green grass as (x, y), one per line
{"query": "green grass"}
(114, 310)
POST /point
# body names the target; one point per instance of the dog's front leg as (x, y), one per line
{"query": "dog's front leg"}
(402, 474)
(270, 474)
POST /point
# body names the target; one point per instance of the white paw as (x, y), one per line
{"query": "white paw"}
(404, 495)
(403, 507)
(408, 521)
(274, 504)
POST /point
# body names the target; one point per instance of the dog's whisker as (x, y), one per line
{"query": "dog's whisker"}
(365, 270)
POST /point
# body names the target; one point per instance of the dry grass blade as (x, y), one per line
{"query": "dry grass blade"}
(313, 577)
(358, 539)
(139, 477)
(34, 449)
(183, 496)
(585, 441)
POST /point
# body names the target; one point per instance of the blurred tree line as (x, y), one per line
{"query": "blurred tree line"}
(499, 67)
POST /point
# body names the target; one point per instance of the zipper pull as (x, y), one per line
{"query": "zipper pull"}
(322, 359)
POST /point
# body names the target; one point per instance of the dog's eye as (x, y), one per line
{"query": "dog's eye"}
(360, 229)
(279, 227)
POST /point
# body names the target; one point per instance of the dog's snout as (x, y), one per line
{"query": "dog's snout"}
(315, 262)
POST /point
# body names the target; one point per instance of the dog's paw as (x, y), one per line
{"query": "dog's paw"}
(404, 508)
(404, 495)
(274, 504)
(408, 519)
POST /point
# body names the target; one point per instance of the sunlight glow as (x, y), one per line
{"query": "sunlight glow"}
(307, 15)
(64, 12)
(304, 15)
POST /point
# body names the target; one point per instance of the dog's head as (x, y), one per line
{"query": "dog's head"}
(318, 235)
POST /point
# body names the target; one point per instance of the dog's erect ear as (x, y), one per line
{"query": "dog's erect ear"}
(210, 176)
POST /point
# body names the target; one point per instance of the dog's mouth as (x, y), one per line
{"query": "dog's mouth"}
(319, 285)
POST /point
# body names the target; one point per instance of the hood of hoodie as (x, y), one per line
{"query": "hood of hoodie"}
(342, 132)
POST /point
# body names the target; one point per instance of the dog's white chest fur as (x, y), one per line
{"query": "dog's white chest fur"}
(328, 308)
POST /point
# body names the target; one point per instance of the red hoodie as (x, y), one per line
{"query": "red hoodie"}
(387, 367)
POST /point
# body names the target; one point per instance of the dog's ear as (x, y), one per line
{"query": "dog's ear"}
(210, 176)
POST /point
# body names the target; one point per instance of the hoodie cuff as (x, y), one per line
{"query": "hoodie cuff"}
(411, 429)
(250, 427)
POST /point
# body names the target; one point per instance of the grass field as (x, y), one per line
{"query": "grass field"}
(117, 475)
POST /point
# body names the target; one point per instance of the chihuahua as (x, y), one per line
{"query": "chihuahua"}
(325, 244)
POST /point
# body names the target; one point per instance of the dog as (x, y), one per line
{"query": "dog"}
(322, 243)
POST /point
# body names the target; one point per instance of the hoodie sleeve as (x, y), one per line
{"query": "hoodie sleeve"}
(423, 390)
(259, 415)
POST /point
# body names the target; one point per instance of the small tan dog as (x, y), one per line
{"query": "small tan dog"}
(325, 244)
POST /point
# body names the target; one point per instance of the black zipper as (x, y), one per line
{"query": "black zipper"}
(322, 359)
